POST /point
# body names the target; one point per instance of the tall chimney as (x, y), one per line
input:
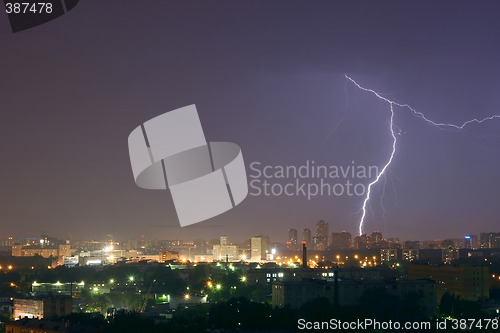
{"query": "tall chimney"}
(336, 288)
(304, 255)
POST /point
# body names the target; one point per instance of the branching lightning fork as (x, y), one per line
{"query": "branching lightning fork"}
(416, 113)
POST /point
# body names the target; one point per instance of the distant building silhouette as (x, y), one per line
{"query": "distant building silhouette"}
(306, 236)
(259, 247)
(469, 282)
(320, 241)
(293, 237)
(341, 240)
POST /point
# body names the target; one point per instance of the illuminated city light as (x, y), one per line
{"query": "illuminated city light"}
(108, 248)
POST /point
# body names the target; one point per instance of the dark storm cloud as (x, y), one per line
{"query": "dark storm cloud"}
(269, 76)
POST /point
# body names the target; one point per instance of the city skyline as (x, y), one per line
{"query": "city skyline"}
(273, 82)
(292, 239)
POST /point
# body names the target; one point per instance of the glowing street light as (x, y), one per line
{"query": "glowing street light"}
(218, 286)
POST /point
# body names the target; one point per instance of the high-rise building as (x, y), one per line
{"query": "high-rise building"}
(376, 237)
(322, 229)
(224, 251)
(293, 237)
(341, 240)
(258, 248)
(468, 242)
(490, 240)
(320, 241)
(362, 242)
(306, 236)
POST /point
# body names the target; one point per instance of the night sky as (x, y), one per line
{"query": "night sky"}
(269, 76)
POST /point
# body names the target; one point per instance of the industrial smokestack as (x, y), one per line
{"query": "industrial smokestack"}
(304, 255)
(336, 288)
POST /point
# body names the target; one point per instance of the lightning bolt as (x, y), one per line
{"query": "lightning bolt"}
(417, 114)
(381, 173)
